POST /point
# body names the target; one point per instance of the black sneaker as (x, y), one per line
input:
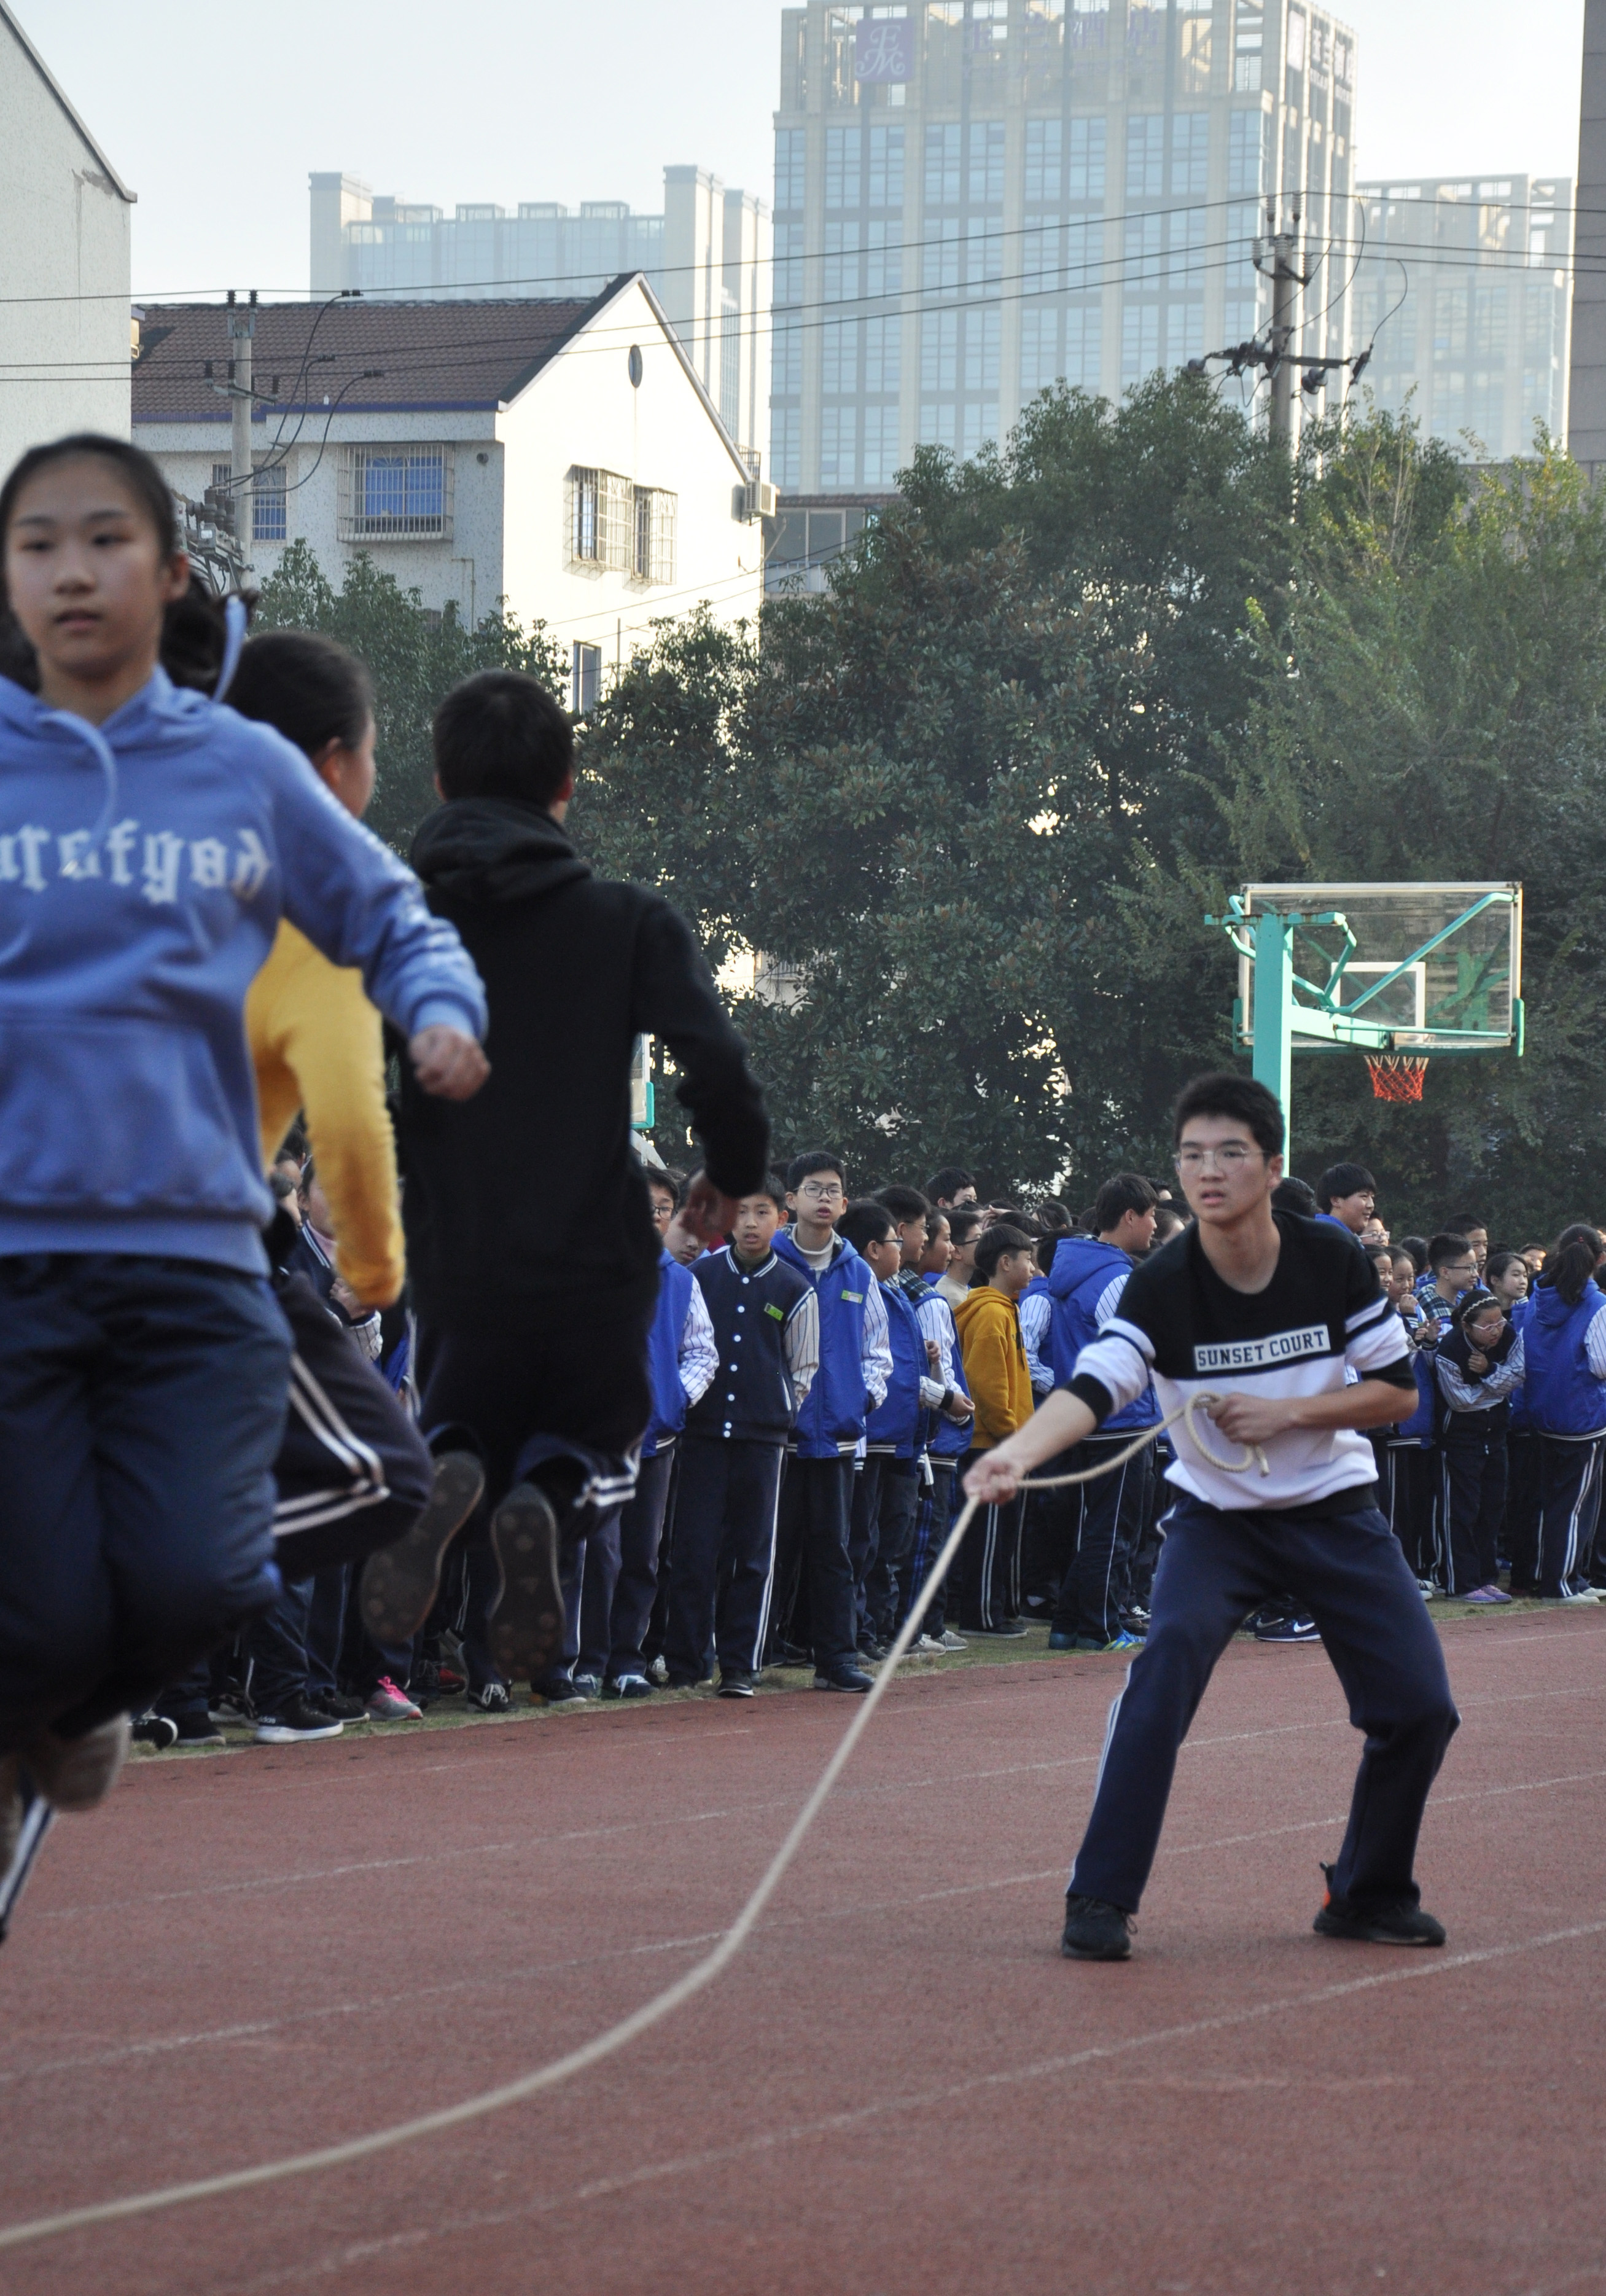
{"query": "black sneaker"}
(233, 1710)
(400, 1582)
(871, 1648)
(628, 1685)
(155, 1730)
(557, 1690)
(843, 1677)
(1096, 1930)
(490, 1698)
(337, 1705)
(525, 1632)
(297, 1721)
(734, 1683)
(790, 1655)
(1397, 1925)
(1288, 1630)
(198, 1729)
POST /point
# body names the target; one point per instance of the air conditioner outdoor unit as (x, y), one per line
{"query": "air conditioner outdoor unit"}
(760, 499)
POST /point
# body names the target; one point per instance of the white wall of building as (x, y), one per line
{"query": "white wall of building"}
(512, 490)
(64, 232)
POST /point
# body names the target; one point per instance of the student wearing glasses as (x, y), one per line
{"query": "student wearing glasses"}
(1271, 1314)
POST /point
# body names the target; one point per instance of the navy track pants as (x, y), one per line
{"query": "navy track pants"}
(1348, 1573)
(723, 1565)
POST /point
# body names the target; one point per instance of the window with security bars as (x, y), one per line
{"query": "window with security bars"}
(620, 527)
(654, 535)
(269, 504)
(394, 493)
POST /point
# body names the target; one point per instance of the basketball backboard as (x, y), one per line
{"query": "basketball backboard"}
(1397, 968)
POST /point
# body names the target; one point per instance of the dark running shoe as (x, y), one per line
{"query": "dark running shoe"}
(628, 1685)
(734, 1683)
(1288, 1630)
(526, 1634)
(1095, 1931)
(844, 1678)
(400, 1581)
(296, 1723)
(1397, 1924)
(490, 1698)
(155, 1730)
(337, 1705)
(198, 1729)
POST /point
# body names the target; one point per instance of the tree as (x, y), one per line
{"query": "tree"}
(414, 656)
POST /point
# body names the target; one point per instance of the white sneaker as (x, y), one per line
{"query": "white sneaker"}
(926, 1646)
(953, 1642)
(77, 1772)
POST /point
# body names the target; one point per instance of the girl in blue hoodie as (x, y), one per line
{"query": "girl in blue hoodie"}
(150, 841)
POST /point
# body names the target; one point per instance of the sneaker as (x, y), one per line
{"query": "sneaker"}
(926, 1646)
(1008, 1630)
(1137, 1616)
(297, 1721)
(337, 1705)
(155, 1730)
(387, 1703)
(843, 1677)
(557, 1690)
(789, 1654)
(1096, 1930)
(1288, 1630)
(525, 1632)
(1487, 1594)
(657, 1673)
(1124, 1642)
(734, 1683)
(950, 1640)
(1061, 1642)
(77, 1772)
(628, 1685)
(1426, 1589)
(198, 1729)
(490, 1698)
(233, 1710)
(588, 1686)
(1571, 1596)
(400, 1582)
(870, 1648)
(1397, 1924)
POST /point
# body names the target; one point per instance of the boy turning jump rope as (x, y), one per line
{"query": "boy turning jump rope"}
(1268, 1313)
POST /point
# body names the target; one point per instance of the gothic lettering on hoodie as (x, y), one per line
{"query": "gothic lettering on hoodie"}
(160, 862)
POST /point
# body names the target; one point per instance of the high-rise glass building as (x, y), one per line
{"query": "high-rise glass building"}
(1466, 287)
(974, 198)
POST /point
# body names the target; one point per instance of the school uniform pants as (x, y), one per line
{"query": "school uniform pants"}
(934, 1509)
(989, 1560)
(1570, 1507)
(1112, 1515)
(599, 1580)
(142, 1401)
(811, 1555)
(353, 1473)
(277, 1667)
(726, 1510)
(1471, 1498)
(1348, 1573)
(864, 1531)
(1522, 1509)
(1405, 1498)
(886, 1587)
(641, 1539)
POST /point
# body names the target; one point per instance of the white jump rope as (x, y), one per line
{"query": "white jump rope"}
(662, 2005)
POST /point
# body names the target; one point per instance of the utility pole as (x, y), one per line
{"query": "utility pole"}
(1282, 249)
(243, 329)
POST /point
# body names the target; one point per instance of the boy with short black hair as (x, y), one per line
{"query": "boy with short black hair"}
(946, 1443)
(764, 1315)
(1477, 1233)
(964, 1232)
(1000, 1383)
(536, 1264)
(887, 1492)
(1347, 1195)
(951, 1187)
(1452, 1270)
(811, 1548)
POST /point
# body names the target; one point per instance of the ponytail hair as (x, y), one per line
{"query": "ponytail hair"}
(1574, 1261)
(194, 631)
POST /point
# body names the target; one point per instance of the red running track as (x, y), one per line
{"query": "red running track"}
(900, 2086)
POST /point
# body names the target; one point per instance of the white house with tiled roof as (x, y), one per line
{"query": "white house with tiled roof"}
(64, 262)
(559, 456)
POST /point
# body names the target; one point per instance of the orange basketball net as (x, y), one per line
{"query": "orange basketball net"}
(1397, 1075)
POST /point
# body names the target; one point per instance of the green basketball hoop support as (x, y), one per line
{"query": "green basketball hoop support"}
(1289, 1013)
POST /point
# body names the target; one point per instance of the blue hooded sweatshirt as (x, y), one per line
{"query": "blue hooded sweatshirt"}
(1564, 1397)
(145, 865)
(1082, 1270)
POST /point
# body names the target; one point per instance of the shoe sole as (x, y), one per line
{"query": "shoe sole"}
(735, 1690)
(526, 1633)
(277, 1736)
(1069, 1952)
(400, 1582)
(1362, 1933)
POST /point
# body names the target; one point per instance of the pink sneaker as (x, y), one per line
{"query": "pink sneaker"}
(387, 1703)
(1487, 1594)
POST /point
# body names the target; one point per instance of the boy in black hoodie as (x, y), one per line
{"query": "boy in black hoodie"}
(530, 1240)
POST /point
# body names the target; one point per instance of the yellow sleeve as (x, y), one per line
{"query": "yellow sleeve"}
(313, 1032)
(987, 1371)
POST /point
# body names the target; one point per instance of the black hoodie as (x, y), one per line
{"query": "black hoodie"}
(534, 1185)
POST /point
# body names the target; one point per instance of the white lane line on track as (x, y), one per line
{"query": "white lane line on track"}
(412, 1997)
(1416, 1969)
(307, 1876)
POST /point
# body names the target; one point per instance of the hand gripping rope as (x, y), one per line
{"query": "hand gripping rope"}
(696, 1979)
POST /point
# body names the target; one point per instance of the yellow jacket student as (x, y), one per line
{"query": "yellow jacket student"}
(995, 1364)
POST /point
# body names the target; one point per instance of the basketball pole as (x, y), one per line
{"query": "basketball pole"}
(1274, 1048)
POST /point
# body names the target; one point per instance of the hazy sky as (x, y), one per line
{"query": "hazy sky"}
(215, 118)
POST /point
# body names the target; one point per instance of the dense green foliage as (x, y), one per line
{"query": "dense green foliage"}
(415, 656)
(976, 799)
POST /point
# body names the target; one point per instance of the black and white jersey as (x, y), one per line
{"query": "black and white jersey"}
(1321, 1317)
